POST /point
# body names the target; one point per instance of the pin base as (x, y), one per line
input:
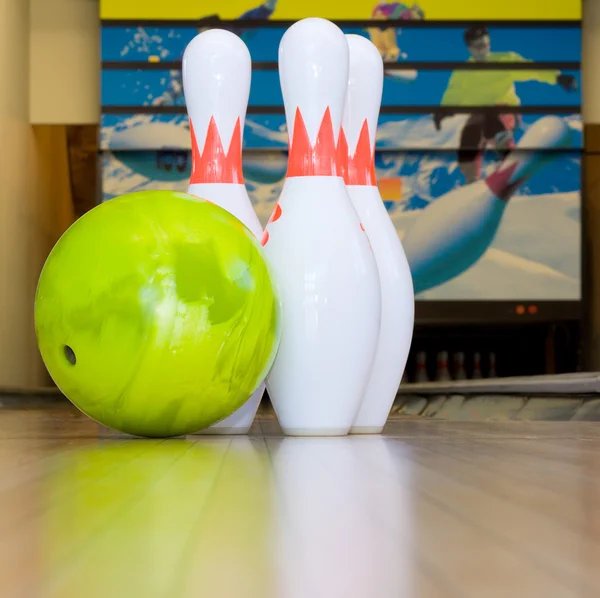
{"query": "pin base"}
(366, 429)
(222, 431)
(315, 431)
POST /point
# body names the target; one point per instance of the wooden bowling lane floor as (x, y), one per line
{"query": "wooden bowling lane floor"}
(430, 509)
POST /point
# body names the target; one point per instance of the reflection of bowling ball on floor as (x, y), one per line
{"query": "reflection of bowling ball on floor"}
(156, 314)
(160, 519)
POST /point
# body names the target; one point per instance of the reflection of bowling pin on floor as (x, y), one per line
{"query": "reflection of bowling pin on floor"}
(216, 79)
(343, 518)
(357, 154)
(323, 264)
(455, 230)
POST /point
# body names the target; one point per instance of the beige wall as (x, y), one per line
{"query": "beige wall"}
(35, 202)
(64, 73)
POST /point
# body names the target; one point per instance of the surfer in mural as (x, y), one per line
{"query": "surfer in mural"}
(262, 11)
(490, 88)
(385, 37)
(259, 13)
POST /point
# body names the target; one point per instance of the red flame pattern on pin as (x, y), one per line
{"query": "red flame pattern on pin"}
(358, 168)
(499, 182)
(306, 159)
(275, 216)
(213, 164)
(342, 155)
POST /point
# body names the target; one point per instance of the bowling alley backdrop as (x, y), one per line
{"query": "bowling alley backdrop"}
(468, 85)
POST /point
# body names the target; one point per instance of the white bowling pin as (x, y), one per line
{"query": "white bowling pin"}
(421, 369)
(216, 80)
(459, 366)
(456, 229)
(442, 373)
(323, 264)
(492, 359)
(357, 155)
(477, 366)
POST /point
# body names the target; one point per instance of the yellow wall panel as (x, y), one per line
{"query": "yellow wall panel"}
(334, 9)
(64, 71)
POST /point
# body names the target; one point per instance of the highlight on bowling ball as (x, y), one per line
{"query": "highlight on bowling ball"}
(156, 314)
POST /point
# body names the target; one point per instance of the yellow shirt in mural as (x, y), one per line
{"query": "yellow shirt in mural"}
(492, 87)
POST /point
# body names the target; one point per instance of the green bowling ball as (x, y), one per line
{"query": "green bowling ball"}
(156, 314)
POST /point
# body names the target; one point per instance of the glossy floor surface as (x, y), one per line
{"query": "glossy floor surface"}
(427, 510)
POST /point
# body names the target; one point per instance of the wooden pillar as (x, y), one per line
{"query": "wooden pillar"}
(591, 246)
(19, 222)
(35, 202)
(591, 184)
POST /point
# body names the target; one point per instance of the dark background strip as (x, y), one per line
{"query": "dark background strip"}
(384, 109)
(215, 21)
(430, 150)
(422, 66)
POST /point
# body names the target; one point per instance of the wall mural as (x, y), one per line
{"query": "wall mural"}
(466, 91)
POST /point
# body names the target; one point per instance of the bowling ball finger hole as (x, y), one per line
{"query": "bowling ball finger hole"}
(70, 355)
